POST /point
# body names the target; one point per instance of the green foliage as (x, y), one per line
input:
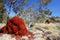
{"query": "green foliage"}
(52, 19)
(44, 2)
(1, 1)
(2, 11)
(48, 12)
(0, 20)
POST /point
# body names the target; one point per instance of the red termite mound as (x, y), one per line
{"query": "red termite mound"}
(47, 21)
(16, 26)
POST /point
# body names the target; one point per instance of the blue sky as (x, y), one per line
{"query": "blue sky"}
(54, 6)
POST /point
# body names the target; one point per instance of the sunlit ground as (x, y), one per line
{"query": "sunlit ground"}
(41, 31)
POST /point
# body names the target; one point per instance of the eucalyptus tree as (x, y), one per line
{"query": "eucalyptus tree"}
(2, 11)
(39, 13)
(44, 2)
(42, 6)
(43, 10)
(15, 5)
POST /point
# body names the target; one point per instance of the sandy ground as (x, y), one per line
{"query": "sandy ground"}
(39, 30)
(2, 25)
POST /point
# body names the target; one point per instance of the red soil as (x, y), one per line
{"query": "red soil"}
(47, 21)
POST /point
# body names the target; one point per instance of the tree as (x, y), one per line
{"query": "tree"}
(18, 7)
(34, 15)
(15, 5)
(52, 19)
(42, 7)
(2, 11)
(43, 11)
(44, 2)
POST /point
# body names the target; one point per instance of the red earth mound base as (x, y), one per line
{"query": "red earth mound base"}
(16, 26)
